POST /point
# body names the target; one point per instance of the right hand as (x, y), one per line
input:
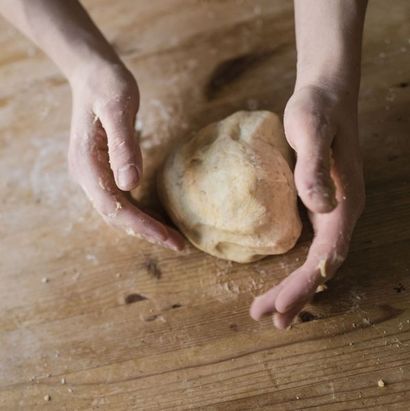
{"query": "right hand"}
(104, 156)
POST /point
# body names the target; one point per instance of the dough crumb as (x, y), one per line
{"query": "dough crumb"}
(321, 287)
(322, 267)
(45, 280)
(101, 184)
(47, 398)
(131, 232)
(113, 214)
(381, 383)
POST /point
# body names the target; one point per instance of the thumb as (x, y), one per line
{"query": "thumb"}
(124, 152)
(312, 140)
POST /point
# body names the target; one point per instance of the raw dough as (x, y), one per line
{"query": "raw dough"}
(230, 188)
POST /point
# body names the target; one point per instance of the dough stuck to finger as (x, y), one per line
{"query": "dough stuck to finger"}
(230, 188)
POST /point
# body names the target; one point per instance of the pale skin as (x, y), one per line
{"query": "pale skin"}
(320, 124)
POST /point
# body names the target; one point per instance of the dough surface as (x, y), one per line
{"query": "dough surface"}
(230, 188)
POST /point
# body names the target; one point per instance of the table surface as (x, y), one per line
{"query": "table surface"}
(96, 319)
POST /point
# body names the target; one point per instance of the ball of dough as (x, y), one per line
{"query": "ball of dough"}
(230, 188)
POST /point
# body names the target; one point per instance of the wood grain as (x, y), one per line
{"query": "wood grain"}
(98, 320)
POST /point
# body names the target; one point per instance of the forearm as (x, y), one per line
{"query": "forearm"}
(63, 30)
(328, 40)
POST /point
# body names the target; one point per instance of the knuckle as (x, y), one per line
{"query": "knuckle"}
(125, 101)
(312, 183)
(121, 150)
(307, 186)
(319, 124)
(117, 143)
(119, 140)
(312, 122)
(320, 169)
(115, 112)
(111, 107)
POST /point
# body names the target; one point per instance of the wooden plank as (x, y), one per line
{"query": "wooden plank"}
(130, 326)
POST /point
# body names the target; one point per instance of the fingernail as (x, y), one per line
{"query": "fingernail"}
(161, 235)
(128, 176)
(277, 322)
(174, 245)
(171, 246)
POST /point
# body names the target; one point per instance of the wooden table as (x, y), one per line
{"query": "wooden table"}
(93, 319)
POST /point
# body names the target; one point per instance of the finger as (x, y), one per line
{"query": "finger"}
(283, 321)
(124, 152)
(311, 137)
(301, 285)
(325, 256)
(327, 252)
(139, 224)
(90, 155)
(264, 304)
(175, 239)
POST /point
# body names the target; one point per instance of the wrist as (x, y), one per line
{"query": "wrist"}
(104, 85)
(96, 71)
(337, 79)
(328, 37)
(85, 61)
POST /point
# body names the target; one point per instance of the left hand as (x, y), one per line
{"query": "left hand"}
(321, 126)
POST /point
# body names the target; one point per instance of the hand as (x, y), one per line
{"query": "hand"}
(321, 126)
(104, 156)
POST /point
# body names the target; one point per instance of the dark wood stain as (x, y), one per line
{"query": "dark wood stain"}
(306, 316)
(232, 70)
(134, 298)
(152, 268)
